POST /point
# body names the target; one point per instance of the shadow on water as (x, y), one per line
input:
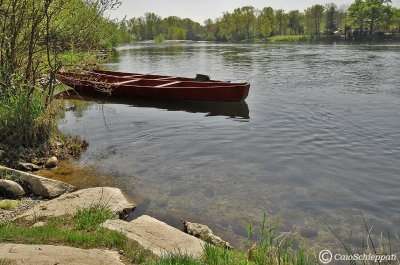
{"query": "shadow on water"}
(237, 110)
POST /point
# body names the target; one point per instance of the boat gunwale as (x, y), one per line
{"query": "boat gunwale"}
(77, 77)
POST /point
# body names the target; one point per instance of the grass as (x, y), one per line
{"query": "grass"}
(290, 38)
(370, 247)
(6, 174)
(24, 122)
(89, 219)
(268, 249)
(82, 230)
(73, 59)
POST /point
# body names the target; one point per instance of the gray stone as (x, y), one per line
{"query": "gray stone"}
(47, 188)
(72, 202)
(11, 188)
(39, 224)
(51, 162)
(158, 237)
(205, 233)
(50, 255)
(28, 166)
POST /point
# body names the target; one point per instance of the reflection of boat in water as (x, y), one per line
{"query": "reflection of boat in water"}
(154, 86)
(211, 108)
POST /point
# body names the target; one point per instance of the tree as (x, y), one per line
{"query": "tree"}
(395, 20)
(315, 13)
(34, 36)
(331, 18)
(377, 12)
(341, 16)
(356, 15)
(294, 18)
(280, 20)
(267, 21)
(152, 25)
(370, 12)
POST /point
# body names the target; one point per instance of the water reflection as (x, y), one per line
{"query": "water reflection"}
(323, 143)
(236, 110)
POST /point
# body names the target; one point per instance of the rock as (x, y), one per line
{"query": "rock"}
(157, 236)
(72, 202)
(24, 204)
(205, 233)
(40, 186)
(51, 162)
(11, 188)
(39, 224)
(28, 167)
(50, 255)
(47, 188)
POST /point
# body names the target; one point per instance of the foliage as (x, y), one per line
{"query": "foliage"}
(331, 18)
(89, 218)
(25, 121)
(179, 259)
(269, 249)
(35, 36)
(315, 15)
(250, 24)
(66, 230)
(274, 249)
(160, 38)
(369, 247)
(370, 14)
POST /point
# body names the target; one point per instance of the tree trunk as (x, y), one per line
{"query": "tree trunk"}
(371, 27)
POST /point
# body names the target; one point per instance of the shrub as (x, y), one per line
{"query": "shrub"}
(24, 120)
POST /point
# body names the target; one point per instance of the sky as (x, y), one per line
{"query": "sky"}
(200, 10)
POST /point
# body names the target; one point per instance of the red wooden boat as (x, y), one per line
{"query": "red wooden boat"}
(154, 86)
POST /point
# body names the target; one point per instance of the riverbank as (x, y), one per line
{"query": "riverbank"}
(86, 219)
(90, 222)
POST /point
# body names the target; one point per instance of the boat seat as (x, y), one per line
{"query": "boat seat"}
(170, 83)
(129, 81)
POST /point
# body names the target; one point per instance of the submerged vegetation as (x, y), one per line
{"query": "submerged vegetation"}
(364, 19)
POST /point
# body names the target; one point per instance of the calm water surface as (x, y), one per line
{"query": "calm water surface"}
(316, 142)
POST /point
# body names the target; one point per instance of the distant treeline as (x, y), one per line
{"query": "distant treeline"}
(362, 19)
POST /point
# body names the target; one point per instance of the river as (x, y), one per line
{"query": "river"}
(316, 143)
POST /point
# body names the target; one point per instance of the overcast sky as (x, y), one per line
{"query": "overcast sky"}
(200, 10)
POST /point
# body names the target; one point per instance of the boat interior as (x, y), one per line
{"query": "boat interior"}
(157, 81)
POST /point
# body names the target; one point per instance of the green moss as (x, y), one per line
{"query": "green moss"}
(8, 204)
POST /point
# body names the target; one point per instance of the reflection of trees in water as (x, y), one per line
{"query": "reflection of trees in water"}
(237, 55)
(77, 106)
(152, 50)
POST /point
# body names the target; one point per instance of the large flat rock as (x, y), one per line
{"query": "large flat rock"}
(48, 188)
(50, 255)
(157, 236)
(72, 202)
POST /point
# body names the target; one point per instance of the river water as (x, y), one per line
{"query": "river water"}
(316, 143)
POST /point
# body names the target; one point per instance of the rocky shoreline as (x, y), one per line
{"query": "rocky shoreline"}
(45, 198)
(24, 204)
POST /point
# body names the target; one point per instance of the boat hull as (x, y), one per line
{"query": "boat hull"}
(152, 86)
